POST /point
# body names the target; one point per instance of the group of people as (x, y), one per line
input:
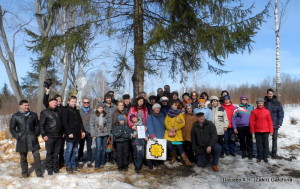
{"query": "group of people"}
(198, 129)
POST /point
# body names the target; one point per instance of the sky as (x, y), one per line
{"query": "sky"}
(245, 68)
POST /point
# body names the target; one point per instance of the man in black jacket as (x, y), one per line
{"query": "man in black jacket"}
(51, 130)
(204, 142)
(74, 132)
(24, 127)
(60, 108)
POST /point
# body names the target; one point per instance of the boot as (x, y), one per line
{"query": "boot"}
(185, 160)
(244, 154)
(173, 156)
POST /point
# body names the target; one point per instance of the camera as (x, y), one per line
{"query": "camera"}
(47, 83)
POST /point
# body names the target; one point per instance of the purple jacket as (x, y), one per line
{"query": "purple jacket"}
(241, 116)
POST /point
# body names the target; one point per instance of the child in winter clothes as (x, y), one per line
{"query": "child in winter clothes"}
(138, 145)
(122, 134)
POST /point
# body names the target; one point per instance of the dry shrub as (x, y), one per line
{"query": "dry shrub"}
(292, 147)
(294, 121)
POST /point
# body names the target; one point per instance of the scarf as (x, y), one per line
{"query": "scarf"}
(173, 112)
(86, 110)
(26, 114)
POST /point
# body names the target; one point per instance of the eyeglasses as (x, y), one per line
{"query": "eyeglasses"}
(85, 102)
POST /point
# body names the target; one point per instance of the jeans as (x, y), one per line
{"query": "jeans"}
(245, 139)
(262, 144)
(122, 154)
(70, 154)
(37, 162)
(138, 154)
(202, 159)
(274, 141)
(100, 151)
(171, 148)
(229, 145)
(53, 146)
(89, 140)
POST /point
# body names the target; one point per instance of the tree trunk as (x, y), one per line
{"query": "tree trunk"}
(139, 53)
(278, 73)
(9, 62)
(41, 90)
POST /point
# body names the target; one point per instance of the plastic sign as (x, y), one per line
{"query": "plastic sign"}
(156, 150)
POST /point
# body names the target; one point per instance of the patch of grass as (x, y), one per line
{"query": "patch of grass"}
(292, 147)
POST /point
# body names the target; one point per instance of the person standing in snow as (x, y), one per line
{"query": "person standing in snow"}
(220, 120)
(52, 132)
(205, 142)
(100, 133)
(240, 124)
(274, 106)
(262, 126)
(229, 145)
(24, 127)
(74, 132)
(85, 113)
(122, 134)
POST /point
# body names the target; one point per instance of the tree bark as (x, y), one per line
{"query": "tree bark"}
(9, 63)
(277, 35)
(139, 53)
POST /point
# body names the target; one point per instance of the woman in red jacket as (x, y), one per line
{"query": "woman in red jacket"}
(261, 125)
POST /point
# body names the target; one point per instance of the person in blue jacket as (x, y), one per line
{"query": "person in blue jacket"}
(155, 123)
(277, 114)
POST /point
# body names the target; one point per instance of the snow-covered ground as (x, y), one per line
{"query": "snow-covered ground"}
(234, 172)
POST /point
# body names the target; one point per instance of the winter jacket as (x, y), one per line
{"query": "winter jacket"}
(122, 133)
(206, 111)
(229, 111)
(165, 109)
(46, 103)
(51, 123)
(72, 123)
(261, 121)
(178, 123)
(115, 118)
(127, 108)
(136, 140)
(184, 103)
(86, 122)
(203, 136)
(156, 125)
(276, 110)
(219, 119)
(109, 111)
(26, 130)
(241, 116)
(190, 119)
(134, 111)
(95, 127)
(195, 104)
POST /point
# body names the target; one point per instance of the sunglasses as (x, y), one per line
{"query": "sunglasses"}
(244, 99)
(85, 102)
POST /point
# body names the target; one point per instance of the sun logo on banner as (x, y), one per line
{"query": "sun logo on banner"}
(156, 150)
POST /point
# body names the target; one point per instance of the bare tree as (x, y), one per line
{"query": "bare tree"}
(7, 56)
(278, 14)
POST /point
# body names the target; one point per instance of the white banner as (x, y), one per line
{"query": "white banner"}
(156, 150)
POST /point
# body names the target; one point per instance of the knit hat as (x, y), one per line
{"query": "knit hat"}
(185, 94)
(132, 116)
(188, 105)
(156, 105)
(213, 98)
(164, 98)
(52, 99)
(244, 97)
(126, 96)
(121, 117)
(201, 100)
(226, 97)
(259, 100)
(100, 105)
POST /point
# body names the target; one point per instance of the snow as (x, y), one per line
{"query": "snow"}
(234, 172)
